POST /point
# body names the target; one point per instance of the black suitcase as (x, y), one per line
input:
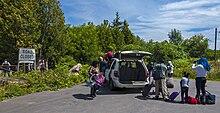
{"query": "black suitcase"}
(146, 90)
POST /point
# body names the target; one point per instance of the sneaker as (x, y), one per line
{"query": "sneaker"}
(166, 100)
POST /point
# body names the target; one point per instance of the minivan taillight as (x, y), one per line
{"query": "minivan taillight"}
(116, 74)
(148, 74)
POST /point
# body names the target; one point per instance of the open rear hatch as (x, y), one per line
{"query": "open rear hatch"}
(131, 55)
(132, 70)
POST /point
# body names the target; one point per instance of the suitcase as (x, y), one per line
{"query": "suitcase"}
(146, 90)
(173, 95)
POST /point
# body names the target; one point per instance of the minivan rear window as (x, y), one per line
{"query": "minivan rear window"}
(128, 64)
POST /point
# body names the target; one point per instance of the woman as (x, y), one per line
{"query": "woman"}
(170, 69)
(93, 71)
(94, 68)
(201, 71)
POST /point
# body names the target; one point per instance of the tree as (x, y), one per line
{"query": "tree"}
(175, 37)
(116, 22)
(196, 46)
(37, 24)
(129, 38)
(165, 51)
(105, 37)
(130, 47)
(118, 36)
(19, 27)
(84, 43)
(52, 39)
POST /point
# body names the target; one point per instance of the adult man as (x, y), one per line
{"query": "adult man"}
(6, 67)
(201, 71)
(150, 68)
(159, 78)
(102, 65)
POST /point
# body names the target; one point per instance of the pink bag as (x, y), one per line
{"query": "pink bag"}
(100, 80)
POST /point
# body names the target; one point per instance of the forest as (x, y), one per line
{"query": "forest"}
(40, 24)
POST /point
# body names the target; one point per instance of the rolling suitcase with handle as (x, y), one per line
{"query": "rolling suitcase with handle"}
(173, 95)
(146, 90)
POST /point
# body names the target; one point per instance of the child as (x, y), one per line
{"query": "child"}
(184, 84)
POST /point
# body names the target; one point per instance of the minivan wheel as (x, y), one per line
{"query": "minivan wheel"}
(111, 85)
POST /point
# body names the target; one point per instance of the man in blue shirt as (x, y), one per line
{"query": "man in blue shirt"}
(161, 81)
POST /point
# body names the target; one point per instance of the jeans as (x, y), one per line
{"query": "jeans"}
(184, 90)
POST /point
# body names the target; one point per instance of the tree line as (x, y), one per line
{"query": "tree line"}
(40, 24)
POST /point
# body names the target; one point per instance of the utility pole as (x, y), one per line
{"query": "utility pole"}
(215, 42)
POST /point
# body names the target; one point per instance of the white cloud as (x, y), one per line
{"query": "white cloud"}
(188, 4)
(150, 19)
(186, 15)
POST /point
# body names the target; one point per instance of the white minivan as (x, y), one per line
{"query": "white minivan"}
(127, 70)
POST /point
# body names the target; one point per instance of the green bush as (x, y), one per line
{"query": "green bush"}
(185, 65)
(38, 81)
(215, 71)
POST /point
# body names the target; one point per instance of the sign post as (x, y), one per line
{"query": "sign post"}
(27, 55)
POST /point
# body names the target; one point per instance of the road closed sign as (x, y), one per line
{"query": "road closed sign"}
(26, 54)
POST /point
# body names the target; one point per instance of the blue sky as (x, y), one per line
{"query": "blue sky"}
(150, 19)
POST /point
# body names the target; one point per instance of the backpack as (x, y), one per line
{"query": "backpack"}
(158, 74)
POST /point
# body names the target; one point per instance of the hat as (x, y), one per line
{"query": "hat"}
(169, 62)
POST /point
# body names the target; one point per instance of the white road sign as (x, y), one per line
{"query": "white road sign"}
(27, 54)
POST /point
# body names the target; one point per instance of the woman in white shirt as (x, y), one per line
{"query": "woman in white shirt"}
(170, 69)
(201, 71)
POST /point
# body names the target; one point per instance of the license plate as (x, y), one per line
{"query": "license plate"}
(137, 83)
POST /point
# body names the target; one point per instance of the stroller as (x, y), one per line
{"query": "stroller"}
(96, 81)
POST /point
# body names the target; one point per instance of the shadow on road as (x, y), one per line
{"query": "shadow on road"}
(106, 91)
(152, 98)
(82, 96)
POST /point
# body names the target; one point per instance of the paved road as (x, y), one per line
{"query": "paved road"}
(76, 100)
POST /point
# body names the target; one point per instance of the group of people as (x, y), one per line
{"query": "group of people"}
(201, 66)
(157, 77)
(97, 69)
